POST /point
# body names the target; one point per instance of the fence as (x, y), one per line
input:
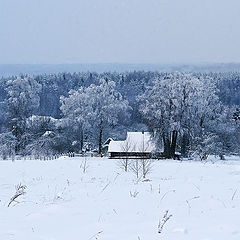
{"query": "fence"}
(34, 157)
(49, 157)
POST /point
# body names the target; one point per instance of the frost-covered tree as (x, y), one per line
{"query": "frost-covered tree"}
(95, 108)
(179, 104)
(105, 105)
(22, 100)
(74, 109)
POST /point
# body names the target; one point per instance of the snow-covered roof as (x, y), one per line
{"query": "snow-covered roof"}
(115, 146)
(135, 142)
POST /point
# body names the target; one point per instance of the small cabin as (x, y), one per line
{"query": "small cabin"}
(136, 145)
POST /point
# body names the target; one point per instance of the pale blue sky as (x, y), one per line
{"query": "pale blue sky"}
(119, 31)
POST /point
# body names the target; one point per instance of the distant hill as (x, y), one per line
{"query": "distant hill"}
(17, 69)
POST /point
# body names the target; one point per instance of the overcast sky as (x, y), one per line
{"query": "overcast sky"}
(119, 31)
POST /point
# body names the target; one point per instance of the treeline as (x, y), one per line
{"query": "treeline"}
(195, 114)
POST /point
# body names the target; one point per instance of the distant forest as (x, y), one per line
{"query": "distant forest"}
(195, 113)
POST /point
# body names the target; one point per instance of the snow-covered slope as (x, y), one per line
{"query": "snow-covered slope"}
(64, 203)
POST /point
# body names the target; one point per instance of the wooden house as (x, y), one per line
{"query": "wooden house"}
(136, 145)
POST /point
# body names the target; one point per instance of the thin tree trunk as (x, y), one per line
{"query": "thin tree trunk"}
(166, 144)
(100, 138)
(100, 142)
(174, 135)
(184, 145)
(81, 139)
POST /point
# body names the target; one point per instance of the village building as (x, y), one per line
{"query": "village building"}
(136, 145)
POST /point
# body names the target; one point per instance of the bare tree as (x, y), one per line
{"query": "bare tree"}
(126, 148)
(136, 167)
(146, 166)
(134, 194)
(142, 165)
(145, 161)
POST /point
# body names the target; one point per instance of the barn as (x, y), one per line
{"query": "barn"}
(136, 145)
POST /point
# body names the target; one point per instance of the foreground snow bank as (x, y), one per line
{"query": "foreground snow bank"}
(64, 203)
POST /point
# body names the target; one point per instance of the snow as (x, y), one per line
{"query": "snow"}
(116, 146)
(48, 133)
(64, 203)
(136, 141)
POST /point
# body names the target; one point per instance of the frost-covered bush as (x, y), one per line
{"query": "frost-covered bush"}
(7, 145)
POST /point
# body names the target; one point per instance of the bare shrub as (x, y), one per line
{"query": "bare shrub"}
(141, 167)
(146, 166)
(106, 186)
(163, 221)
(145, 162)
(95, 236)
(84, 166)
(136, 167)
(20, 190)
(134, 194)
(126, 148)
(166, 193)
(234, 194)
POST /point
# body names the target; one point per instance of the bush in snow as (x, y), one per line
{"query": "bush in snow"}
(8, 143)
(20, 190)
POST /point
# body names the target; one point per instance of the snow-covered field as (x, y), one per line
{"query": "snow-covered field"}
(64, 203)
